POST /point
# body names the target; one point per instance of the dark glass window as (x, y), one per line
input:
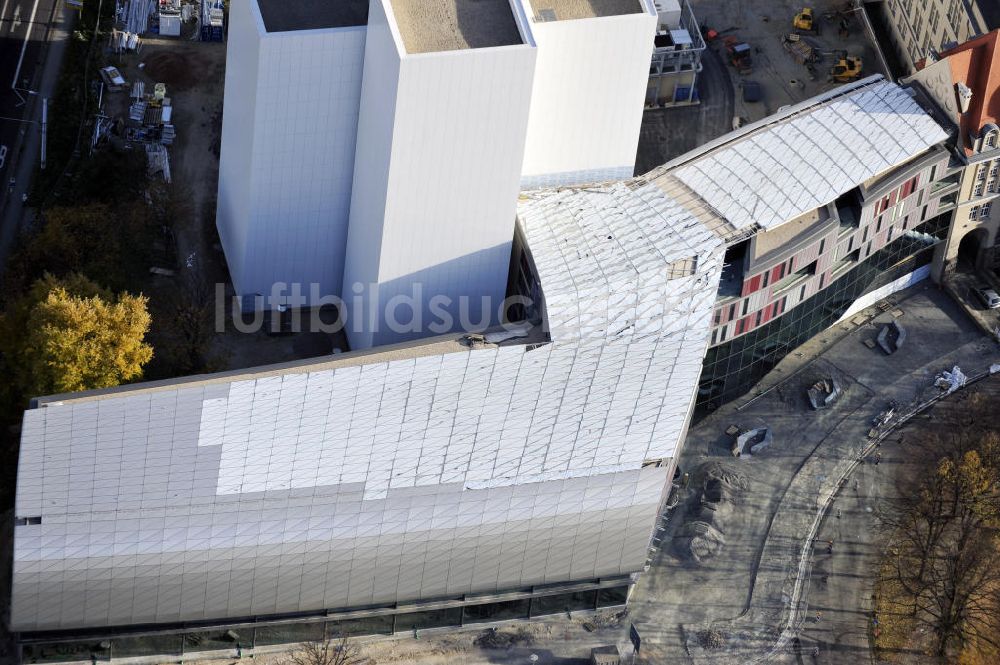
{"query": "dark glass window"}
(614, 596)
(381, 625)
(505, 611)
(154, 645)
(289, 632)
(430, 619)
(563, 602)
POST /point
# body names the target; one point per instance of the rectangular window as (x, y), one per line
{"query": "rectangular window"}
(766, 279)
(802, 293)
(864, 236)
(732, 312)
(715, 334)
(984, 212)
(718, 317)
(822, 244)
(878, 225)
(822, 280)
(739, 327)
(760, 313)
(784, 301)
(722, 334)
(746, 306)
(973, 213)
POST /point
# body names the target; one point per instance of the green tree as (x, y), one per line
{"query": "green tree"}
(69, 334)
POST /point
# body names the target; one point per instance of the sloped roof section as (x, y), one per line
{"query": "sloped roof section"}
(807, 158)
(602, 243)
(976, 64)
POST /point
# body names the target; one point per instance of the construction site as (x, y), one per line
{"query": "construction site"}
(759, 56)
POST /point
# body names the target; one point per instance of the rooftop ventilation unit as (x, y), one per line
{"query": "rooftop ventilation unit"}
(668, 14)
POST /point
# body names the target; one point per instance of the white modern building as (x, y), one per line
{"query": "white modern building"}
(461, 104)
(462, 478)
(589, 89)
(293, 87)
(445, 99)
(446, 481)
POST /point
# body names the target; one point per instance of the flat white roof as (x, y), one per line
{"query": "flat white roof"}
(429, 26)
(564, 10)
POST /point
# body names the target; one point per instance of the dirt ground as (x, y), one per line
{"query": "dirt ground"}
(194, 74)
(573, 638)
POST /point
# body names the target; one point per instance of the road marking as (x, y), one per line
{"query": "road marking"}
(15, 20)
(24, 46)
(3, 10)
(3, 155)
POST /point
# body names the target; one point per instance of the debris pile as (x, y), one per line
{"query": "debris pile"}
(493, 638)
(752, 441)
(951, 381)
(135, 14)
(150, 116)
(823, 393)
(158, 161)
(702, 536)
(891, 338)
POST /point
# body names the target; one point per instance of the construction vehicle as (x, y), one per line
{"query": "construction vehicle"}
(806, 22)
(846, 70)
(739, 55)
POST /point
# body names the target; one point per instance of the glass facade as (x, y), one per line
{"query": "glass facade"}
(233, 641)
(731, 369)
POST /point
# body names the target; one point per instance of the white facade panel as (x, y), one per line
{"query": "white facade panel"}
(289, 134)
(233, 214)
(588, 98)
(446, 180)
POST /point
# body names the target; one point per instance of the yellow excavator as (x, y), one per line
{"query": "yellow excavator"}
(847, 69)
(805, 21)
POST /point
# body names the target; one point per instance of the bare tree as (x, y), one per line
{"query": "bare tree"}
(331, 650)
(947, 559)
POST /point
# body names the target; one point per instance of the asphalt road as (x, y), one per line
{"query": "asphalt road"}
(26, 29)
(23, 28)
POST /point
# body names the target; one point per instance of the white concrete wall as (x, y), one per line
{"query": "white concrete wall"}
(289, 132)
(236, 156)
(448, 172)
(588, 97)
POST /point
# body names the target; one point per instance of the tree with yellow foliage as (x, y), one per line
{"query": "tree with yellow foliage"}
(69, 334)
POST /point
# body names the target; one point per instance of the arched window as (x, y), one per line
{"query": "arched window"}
(991, 136)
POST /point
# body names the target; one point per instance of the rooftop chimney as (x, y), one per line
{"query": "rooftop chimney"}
(964, 97)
